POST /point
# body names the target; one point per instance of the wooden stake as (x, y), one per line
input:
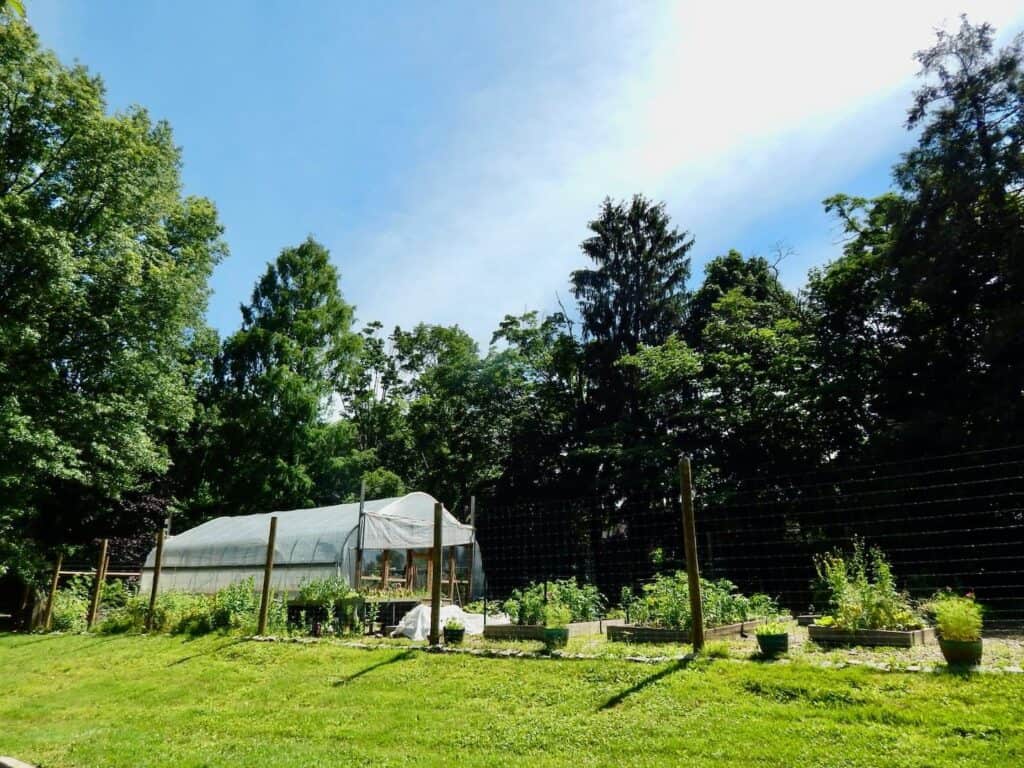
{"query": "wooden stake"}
(268, 570)
(359, 535)
(690, 547)
(410, 568)
(435, 581)
(385, 568)
(97, 591)
(158, 562)
(48, 617)
(472, 547)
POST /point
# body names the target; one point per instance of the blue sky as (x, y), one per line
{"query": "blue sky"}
(450, 154)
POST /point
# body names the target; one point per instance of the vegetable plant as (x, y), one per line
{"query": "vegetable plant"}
(862, 593)
(527, 606)
(772, 628)
(665, 602)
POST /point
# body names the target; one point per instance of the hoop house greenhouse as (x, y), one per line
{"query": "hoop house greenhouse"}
(379, 543)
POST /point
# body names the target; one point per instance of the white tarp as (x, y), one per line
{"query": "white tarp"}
(310, 544)
(416, 623)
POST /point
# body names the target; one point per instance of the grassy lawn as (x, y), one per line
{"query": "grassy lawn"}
(222, 701)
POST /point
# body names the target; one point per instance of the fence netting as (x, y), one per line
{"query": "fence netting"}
(953, 522)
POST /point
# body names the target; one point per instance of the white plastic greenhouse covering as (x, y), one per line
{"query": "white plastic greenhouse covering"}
(310, 544)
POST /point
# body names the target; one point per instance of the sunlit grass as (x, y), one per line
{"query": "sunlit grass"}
(223, 701)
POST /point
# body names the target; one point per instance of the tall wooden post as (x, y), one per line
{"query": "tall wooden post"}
(359, 535)
(410, 568)
(472, 548)
(690, 547)
(435, 581)
(385, 569)
(158, 562)
(268, 570)
(97, 591)
(48, 617)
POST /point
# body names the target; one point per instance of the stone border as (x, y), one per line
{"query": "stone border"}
(10, 762)
(515, 653)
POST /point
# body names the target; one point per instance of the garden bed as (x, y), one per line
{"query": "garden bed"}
(536, 631)
(633, 633)
(896, 638)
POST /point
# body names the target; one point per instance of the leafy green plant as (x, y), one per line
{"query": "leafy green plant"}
(236, 606)
(557, 615)
(70, 605)
(862, 591)
(956, 618)
(454, 623)
(665, 602)
(527, 606)
(334, 604)
(772, 628)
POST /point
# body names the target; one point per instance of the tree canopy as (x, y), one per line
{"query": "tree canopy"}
(118, 405)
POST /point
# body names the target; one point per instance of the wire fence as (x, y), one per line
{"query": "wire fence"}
(952, 522)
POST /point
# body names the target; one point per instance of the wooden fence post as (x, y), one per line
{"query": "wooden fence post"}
(158, 562)
(690, 547)
(472, 547)
(97, 592)
(48, 617)
(435, 581)
(359, 535)
(268, 569)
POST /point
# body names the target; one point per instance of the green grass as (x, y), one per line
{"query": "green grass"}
(221, 701)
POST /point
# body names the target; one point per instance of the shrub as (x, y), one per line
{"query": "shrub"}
(236, 606)
(527, 606)
(665, 602)
(862, 591)
(70, 606)
(130, 617)
(956, 618)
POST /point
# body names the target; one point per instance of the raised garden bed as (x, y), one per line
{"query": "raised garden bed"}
(631, 633)
(897, 638)
(536, 631)
(806, 619)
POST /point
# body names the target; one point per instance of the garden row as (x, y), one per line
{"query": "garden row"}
(864, 606)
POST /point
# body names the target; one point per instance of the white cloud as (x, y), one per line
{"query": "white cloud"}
(727, 112)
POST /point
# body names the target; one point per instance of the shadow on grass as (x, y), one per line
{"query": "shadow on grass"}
(396, 658)
(209, 651)
(34, 639)
(620, 697)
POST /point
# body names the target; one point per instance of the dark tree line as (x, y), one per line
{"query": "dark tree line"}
(118, 406)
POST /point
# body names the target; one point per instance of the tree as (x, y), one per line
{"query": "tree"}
(103, 280)
(922, 312)
(741, 396)
(634, 294)
(282, 442)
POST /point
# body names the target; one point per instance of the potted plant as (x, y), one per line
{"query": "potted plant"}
(454, 631)
(958, 622)
(773, 638)
(556, 631)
